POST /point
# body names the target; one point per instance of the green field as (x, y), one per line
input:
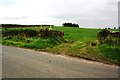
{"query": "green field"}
(77, 43)
(80, 34)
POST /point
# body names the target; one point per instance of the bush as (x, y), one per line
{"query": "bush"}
(109, 37)
(19, 32)
(46, 33)
(43, 33)
(102, 35)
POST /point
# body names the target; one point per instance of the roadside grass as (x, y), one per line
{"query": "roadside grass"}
(33, 43)
(81, 50)
(110, 52)
(77, 43)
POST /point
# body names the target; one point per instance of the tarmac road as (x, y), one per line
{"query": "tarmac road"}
(26, 63)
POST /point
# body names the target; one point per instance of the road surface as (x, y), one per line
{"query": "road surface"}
(25, 63)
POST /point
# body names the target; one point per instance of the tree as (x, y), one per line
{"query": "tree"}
(70, 25)
(114, 27)
(119, 27)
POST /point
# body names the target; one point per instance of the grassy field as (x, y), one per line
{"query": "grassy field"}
(77, 43)
(80, 34)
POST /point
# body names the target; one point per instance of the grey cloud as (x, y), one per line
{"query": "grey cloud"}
(85, 12)
(100, 16)
(23, 17)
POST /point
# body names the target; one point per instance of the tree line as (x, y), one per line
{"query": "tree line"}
(19, 25)
(70, 25)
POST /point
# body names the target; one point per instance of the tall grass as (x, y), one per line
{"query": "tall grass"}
(110, 52)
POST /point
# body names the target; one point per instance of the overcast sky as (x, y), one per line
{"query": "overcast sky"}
(87, 13)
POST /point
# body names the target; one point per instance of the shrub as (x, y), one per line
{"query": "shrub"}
(43, 33)
(102, 35)
(109, 37)
(19, 32)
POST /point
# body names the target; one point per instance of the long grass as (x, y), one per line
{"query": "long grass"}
(110, 52)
